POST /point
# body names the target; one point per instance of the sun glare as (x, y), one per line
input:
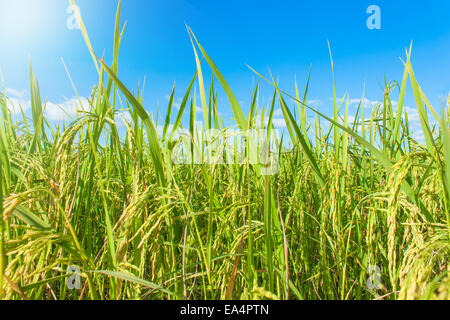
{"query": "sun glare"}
(22, 20)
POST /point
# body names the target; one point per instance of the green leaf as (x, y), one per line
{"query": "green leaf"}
(31, 219)
(154, 142)
(132, 278)
(239, 115)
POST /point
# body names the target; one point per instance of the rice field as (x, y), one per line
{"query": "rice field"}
(102, 207)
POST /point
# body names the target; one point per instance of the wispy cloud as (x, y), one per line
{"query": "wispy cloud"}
(16, 104)
(314, 103)
(16, 100)
(278, 113)
(368, 103)
(66, 109)
(278, 123)
(414, 123)
(16, 93)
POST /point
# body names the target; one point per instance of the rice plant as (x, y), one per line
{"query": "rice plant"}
(354, 210)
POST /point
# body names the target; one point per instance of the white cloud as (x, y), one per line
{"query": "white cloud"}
(121, 117)
(16, 100)
(160, 129)
(413, 114)
(367, 102)
(176, 101)
(66, 109)
(16, 104)
(278, 113)
(279, 123)
(415, 125)
(19, 99)
(16, 93)
(314, 103)
(418, 135)
(351, 119)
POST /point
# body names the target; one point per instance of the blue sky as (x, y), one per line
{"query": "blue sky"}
(286, 36)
